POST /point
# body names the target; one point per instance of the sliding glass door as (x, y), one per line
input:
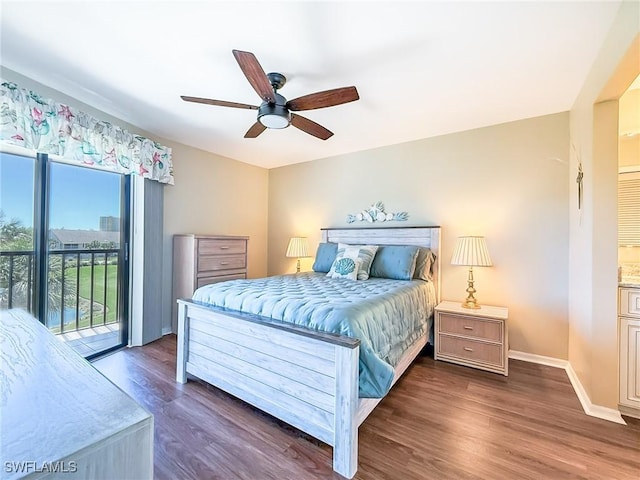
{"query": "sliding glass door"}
(85, 254)
(78, 280)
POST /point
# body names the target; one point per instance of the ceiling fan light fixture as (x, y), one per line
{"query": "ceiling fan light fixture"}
(274, 116)
(274, 121)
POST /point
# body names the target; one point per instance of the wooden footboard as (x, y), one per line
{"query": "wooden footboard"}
(306, 378)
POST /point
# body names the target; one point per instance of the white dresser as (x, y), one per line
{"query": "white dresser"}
(629, 311)
(60, 417)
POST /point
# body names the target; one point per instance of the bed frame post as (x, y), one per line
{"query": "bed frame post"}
(345, 433)
(183, 343)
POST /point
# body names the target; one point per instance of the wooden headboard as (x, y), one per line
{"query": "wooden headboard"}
(419, 236)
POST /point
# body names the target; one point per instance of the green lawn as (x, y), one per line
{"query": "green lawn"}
(98, 292)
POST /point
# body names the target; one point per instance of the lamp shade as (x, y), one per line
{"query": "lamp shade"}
(298, 247)
(472, 252)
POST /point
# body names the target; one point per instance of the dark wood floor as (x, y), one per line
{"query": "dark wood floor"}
(440, 421)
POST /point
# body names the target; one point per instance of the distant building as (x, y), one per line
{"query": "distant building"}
(63, 239)
(110, 224)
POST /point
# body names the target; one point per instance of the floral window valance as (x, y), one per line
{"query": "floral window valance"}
(30, 121)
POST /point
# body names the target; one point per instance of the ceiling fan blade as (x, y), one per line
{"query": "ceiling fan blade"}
(255, 74)
(255, 130)
(328, 98)
(220, 103)
(310, 127)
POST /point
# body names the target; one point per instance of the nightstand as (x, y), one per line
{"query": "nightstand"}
(476, 338)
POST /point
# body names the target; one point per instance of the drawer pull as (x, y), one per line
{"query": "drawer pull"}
(467, 327)
(224, 263)
(224, 248)
(468, 349)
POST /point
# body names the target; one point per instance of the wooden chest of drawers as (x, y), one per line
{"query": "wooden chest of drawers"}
(475, 338)
(199, 260)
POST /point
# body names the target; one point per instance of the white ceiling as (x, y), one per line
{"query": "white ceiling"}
(421, 68)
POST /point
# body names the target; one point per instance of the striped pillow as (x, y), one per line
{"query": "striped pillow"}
(363, 252)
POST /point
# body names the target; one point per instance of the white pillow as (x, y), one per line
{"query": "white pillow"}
(345, 267)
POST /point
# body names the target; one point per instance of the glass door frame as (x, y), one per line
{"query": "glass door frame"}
(42, 186)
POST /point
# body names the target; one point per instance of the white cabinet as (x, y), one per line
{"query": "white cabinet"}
(629, 308)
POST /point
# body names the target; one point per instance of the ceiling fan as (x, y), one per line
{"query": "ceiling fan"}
(275, 110)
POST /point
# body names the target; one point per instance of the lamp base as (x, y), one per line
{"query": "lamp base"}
(473, 305)
(470, 301)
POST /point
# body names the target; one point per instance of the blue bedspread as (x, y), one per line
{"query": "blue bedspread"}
(386, 315)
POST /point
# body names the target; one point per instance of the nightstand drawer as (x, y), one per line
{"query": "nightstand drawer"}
(630, 302)
(470, 350)
(221, 262)
(221, 246)
(484, 329)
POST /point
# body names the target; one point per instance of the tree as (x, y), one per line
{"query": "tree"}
(13, 235)
(17, 269)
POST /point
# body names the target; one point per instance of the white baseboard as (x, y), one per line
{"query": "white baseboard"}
(539, 359)
(598, 411)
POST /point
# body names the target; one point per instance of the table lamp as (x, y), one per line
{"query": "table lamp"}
(471, 252)
(298, 248)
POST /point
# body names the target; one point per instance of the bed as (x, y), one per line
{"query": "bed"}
(299, 374)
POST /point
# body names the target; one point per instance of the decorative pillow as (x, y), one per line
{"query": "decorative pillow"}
(424, 264)
(345, 267)
(363, 252)
(325, 255)
(397, 262)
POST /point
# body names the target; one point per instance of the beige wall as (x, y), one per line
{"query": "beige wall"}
(593, 242)
(507, 182)
(212, 194)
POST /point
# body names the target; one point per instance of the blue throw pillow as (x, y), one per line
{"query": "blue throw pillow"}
(397, 262)
(325, 255)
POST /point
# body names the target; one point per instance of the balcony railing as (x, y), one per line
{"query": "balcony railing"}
(83, 289)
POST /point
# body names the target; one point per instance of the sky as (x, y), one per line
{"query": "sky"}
(79, 196)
